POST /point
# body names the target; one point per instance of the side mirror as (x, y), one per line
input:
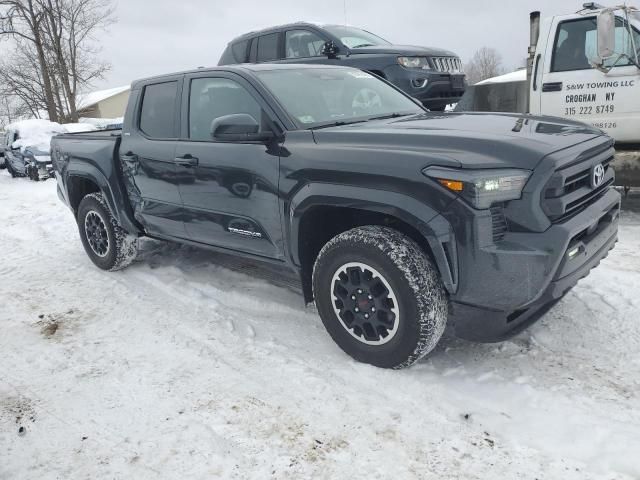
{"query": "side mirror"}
(239, 127)
(606, 35)
(330, 49)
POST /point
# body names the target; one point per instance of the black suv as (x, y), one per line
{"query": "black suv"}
(432, 76)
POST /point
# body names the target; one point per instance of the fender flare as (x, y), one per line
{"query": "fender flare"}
(116, 199)
(428, 222)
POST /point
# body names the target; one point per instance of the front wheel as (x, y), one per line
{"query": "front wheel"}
(379, 296)
(108, 245)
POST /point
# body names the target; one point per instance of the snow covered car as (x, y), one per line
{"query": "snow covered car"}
(27, 146)
(2, 149)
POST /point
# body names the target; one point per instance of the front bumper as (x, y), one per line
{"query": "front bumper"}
(518, 286)
(434, 89)
(37, 170)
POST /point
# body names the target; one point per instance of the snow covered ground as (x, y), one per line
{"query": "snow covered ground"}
(180, 368)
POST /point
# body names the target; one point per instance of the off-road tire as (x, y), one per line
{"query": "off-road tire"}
(414, 282)
(121, 247)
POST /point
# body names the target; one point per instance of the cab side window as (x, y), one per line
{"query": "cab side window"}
(268, 47)
(302, 44)
(577, 44)
(569, 51)
(211, 98)
(157, 116)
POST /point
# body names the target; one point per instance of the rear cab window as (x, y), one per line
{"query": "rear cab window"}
(158, 110)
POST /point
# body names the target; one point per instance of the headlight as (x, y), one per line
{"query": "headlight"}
(481, 188)
(414, 62)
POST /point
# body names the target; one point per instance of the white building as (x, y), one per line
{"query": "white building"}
(109, 103)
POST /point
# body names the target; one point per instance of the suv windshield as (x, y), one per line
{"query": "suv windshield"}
(352, 37)
(327, 96)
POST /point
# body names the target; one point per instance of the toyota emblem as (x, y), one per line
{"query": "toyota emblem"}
(597, 176)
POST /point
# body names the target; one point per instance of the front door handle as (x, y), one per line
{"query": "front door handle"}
(552, 87)
(188, 161)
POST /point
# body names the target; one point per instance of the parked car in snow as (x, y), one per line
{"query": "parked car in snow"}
(27, 148)
(3, 136)
(431, 75)
(397, 220)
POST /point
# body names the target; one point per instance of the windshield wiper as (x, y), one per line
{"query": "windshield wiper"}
(339, 123)
(392, 115)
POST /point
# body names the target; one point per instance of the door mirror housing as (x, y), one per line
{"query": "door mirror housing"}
(330, 49)
(238, 127)
(606, 36)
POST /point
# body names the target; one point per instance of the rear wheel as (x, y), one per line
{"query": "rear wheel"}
(379, 296)
(108, 245)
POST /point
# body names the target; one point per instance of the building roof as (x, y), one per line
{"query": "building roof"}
(90, 99)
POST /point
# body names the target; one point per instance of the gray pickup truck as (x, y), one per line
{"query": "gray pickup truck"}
(396, 220)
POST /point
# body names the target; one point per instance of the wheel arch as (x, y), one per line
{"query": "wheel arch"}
(319, 212)
(89, 179)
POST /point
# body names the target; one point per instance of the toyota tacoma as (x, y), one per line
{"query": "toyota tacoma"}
(397, 220)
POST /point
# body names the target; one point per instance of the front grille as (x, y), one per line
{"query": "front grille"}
(498, 223)
(447, 64)
(569, 191)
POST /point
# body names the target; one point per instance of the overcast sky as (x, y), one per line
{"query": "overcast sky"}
(160, 36)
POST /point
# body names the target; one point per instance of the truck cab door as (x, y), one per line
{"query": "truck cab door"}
(229, 189)
(147, 156)
(570, 86)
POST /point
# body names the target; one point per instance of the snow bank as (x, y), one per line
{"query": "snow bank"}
(517, 76)
(102, 123)
(79, 127)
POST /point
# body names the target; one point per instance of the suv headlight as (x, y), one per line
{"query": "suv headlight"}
(414, 62)
(481, 188)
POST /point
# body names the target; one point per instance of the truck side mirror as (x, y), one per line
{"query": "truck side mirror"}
(330, 49)
(238, 127)
(606, 36)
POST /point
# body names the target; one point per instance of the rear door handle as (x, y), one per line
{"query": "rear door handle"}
(188, 161)
(552, 87)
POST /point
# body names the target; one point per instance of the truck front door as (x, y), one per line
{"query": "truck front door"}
(147, 155)
(571, 87)
(229, 189)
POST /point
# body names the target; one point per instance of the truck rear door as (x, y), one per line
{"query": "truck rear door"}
(571, 87)
(147, 155)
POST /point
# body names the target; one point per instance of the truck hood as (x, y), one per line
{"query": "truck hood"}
(406, 50)
(464, 140)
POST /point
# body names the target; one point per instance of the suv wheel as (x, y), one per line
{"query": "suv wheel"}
(379, 296)
(108, 245)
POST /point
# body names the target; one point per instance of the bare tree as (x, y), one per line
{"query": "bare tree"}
(59, 36)
(486, 63)
(11, 110)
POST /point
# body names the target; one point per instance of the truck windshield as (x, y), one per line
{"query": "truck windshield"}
(327, 96)
(352, 37)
